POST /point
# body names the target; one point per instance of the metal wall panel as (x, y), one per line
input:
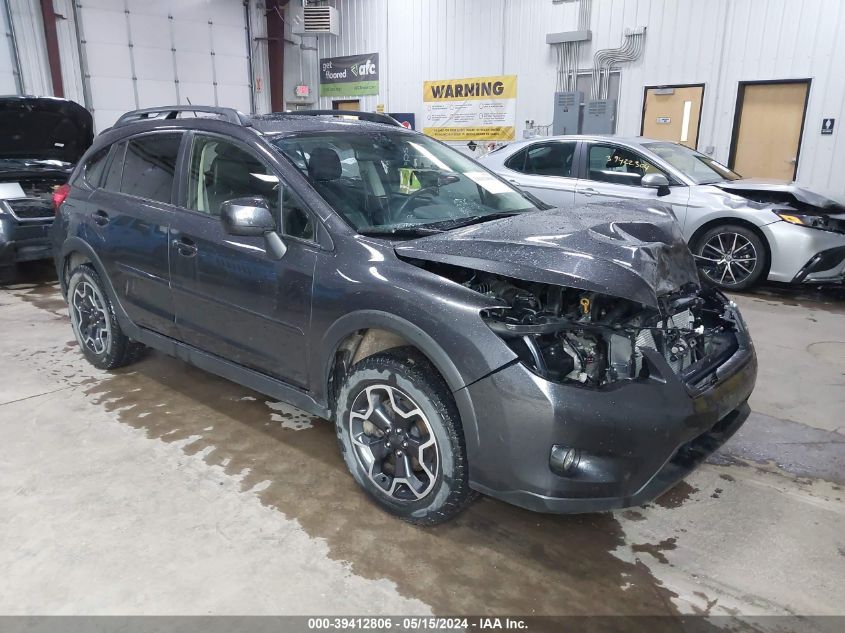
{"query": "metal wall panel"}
(142, 53)
(9, 72)
(32, 51)
(718, 43)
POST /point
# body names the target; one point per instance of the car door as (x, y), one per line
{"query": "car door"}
(232, 298)
(613, 172)
(546, 170)
(129, 220)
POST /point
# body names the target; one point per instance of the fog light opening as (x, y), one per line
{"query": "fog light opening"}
(564, 460)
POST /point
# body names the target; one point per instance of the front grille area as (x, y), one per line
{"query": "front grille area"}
(31, 208)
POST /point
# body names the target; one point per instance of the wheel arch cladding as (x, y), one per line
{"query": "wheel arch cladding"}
(352, 324)
(76, 249)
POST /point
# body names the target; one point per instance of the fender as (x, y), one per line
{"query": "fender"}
(366, 319)
(74, 244)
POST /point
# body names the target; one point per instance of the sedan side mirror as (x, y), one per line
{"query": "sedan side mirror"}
(657, 181)
(250, 217)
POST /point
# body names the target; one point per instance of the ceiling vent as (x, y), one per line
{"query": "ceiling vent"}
(318, 20)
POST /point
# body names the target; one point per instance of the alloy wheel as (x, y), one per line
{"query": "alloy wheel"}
(394, 442)
(731, 258)
(89, 317)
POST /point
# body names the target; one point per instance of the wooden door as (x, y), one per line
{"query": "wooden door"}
(346, 104)
(672, 113)
(767, 133)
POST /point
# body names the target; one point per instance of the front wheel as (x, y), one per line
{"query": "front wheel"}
(731, 256)
(401, 437)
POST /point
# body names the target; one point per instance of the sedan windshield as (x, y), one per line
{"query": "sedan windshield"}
(394, 183)
(697, 167)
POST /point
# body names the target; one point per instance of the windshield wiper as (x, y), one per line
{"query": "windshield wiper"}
(448, 225)
(400, 231)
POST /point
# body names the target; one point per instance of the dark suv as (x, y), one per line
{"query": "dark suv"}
(41, 138)
(461, 336)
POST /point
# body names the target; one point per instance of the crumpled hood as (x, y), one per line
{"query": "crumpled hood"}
(779, 192)
(44, 128)
(628, 249)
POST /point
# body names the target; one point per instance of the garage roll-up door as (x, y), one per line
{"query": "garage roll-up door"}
(144, 53)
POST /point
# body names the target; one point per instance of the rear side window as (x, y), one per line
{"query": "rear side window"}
(115, 170)
(150, 165)
(95, 167)
(544, 159)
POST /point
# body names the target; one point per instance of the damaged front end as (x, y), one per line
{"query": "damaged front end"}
(568, 335)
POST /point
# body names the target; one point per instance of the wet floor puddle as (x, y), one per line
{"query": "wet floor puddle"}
(493, 558)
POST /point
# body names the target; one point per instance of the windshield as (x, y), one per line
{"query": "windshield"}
(384, 182)
(697, 167)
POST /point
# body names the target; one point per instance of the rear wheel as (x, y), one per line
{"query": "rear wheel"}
(401, 437)
(731, 256)
(94, 322)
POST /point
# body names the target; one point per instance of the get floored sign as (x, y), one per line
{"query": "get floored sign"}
(349, 76)
(478, 108)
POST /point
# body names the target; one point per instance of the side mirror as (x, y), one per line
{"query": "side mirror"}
(251, 217)
(657, 181)
(247, 216)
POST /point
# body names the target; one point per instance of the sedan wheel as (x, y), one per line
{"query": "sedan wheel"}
(732, 257)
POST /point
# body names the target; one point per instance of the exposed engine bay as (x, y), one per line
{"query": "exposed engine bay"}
(571, 335)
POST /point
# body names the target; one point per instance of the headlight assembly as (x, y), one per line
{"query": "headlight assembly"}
(812, 221)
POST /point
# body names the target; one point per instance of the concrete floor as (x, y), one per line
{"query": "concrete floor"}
(160, 489)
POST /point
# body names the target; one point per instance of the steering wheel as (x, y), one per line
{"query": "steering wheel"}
(401, 210)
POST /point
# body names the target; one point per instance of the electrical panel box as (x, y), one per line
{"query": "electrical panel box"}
(566, 112)
(600, 116)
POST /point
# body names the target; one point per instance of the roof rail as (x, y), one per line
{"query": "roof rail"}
(171, 112)
(373, 117)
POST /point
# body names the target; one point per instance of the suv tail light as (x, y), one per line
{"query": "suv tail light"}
(60, 194)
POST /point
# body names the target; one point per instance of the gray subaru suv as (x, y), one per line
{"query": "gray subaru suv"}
(463, 337)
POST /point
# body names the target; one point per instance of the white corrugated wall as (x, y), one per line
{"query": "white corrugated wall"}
(715, 42)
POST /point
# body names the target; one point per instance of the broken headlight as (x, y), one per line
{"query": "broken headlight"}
(572, 336)
(823, 222)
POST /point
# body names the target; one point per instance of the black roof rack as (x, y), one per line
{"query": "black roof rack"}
(171, 112)
(373, 117)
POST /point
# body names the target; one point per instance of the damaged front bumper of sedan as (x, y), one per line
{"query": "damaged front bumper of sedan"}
(611, 402)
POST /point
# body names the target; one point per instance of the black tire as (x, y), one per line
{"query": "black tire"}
(416, 386)
(743, 259)
(87, 297)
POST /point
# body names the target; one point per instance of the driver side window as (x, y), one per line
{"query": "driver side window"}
(618, 165)
(220, 171)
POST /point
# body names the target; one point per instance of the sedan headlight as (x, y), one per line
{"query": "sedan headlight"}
(812, 221)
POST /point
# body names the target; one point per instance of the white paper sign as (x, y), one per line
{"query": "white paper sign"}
(11, 190)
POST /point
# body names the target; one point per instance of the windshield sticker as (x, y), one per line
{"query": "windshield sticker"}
(488, 182)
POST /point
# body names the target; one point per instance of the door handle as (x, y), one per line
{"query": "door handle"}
(101, 218)
(185, 247)
(589, 191)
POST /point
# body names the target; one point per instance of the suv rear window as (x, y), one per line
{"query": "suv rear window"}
(150, 165)
(95, 166)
